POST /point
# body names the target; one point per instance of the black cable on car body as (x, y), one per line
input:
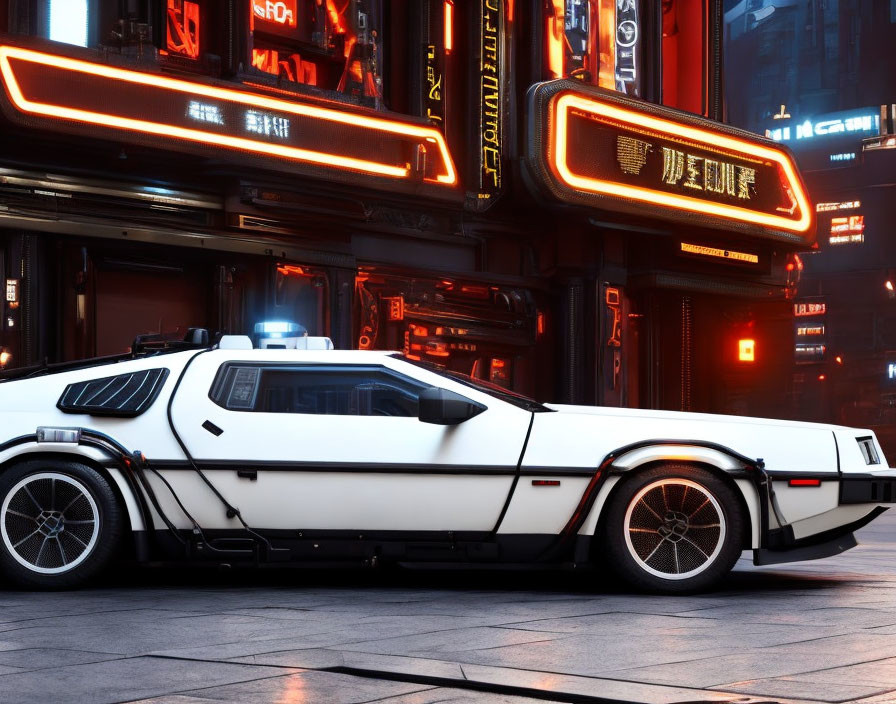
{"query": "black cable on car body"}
(232, 511)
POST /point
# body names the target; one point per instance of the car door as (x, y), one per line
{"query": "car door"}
(331, 446)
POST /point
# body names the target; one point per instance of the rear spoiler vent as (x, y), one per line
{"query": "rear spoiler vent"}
(122, 396)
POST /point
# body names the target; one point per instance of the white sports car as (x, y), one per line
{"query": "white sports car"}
(239, 454)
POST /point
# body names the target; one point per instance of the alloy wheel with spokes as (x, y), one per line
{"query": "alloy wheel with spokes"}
(49, 522)
(59, 523)
(674, 528)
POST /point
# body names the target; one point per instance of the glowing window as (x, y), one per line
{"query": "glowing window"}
(746, 350)
(68, 21)
(183, 28)
(595, 41)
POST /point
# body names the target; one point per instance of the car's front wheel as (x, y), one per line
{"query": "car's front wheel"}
(60, 523)
(674, 529)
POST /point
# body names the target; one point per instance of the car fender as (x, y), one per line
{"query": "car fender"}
(624, 460)
(92, 456)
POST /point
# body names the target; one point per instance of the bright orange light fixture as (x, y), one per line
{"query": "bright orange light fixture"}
(380, 125)
(565, 103)
(746, 350)
(449, 26)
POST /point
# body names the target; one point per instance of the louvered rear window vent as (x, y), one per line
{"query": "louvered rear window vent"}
(125, 395)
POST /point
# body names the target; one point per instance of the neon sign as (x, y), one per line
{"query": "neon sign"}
(597, 148)
(278, 11)
(847, 229)
(490, 97)
(830, 125)
(100, 100)
(719, 253)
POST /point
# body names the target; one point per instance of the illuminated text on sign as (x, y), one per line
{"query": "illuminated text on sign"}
(490, 95)
(279, 11)
(804, 309)
(688, 170)
(719, 253)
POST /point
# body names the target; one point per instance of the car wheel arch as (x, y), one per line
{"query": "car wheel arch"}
(749, 503)
(124, 495)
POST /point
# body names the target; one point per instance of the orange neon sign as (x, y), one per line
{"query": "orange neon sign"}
(85, 93)
(596, 148)
(277, 11)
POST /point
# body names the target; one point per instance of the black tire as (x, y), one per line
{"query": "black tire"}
(60, 524)
(652, 535)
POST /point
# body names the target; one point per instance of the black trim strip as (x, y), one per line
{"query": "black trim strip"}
(337, 467)
(516, 477)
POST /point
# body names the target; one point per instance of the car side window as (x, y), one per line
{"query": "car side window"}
(320, 390)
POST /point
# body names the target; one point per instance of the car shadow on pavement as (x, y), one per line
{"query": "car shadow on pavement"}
(460, 580)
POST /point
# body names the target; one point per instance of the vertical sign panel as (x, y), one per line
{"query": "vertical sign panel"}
(490, 180)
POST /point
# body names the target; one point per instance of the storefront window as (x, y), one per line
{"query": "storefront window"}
(182, 22)
(598, 42)
(330, 45)
(485, 331)
(300, 296)
(68, 21)
(684, 55)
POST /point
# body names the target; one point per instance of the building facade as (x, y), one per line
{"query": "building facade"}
(818, 76)
(538, 194)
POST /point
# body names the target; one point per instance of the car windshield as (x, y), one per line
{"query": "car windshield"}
(486, 387)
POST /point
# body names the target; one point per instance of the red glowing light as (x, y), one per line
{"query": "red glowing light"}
(475, 291)
(449, 25)
(804, 482)
(838, 359)
(821, 377)
(419, 331)
(539, 323)
(183, 28)
(746, 350)
(438, 349)
(292, 270)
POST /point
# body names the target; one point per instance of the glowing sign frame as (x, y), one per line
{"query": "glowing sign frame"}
(424, 135)
(550, 105)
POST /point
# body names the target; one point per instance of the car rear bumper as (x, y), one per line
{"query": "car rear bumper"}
(876, 488)
(784, 548)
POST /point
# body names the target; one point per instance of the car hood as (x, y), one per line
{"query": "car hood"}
(647, 414)
(581, 436)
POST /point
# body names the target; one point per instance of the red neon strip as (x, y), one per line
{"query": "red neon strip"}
(375, 124)
(804, 482)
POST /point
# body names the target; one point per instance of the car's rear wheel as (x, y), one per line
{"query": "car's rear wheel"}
(60, 523)
(674, 529)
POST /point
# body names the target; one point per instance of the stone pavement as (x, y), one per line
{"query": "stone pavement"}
(820, 631)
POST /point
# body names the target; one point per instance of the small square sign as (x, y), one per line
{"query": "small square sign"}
(12, 290)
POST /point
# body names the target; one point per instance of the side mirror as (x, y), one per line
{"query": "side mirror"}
(443, 407)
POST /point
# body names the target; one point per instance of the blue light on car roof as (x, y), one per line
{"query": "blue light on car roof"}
(275, 327)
